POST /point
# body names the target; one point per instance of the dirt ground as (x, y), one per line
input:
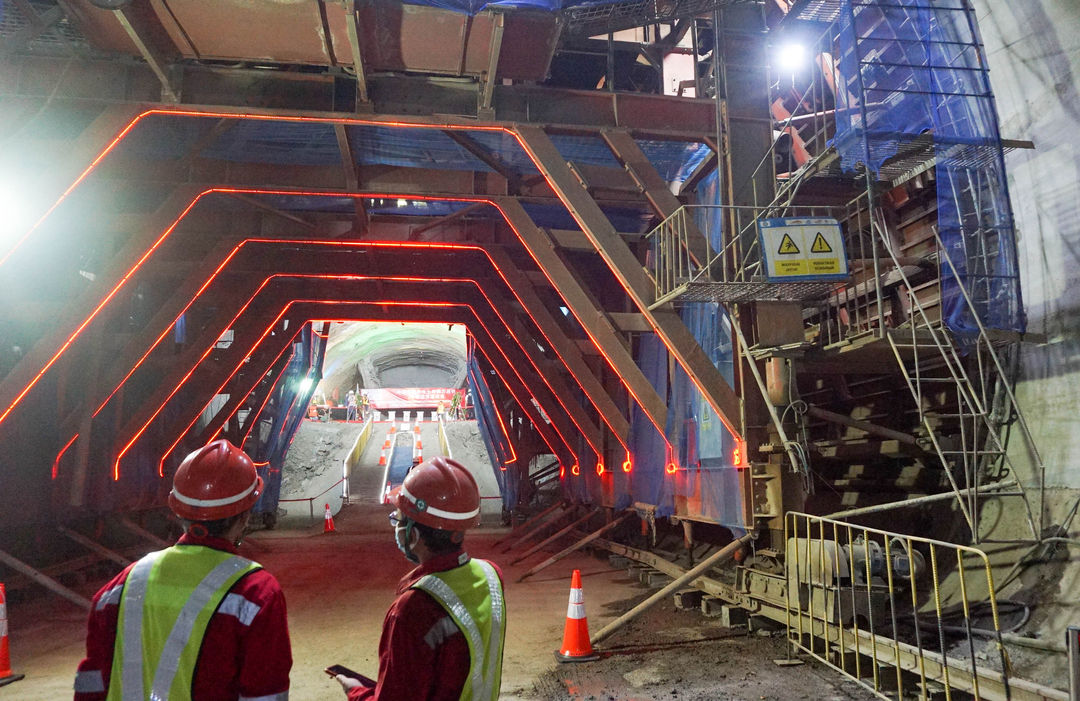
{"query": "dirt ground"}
(339, 585)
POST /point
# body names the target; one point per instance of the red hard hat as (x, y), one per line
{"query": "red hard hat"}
(440, 493)
(214, 482)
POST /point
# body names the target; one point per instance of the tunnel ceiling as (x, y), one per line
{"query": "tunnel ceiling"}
(394, 355)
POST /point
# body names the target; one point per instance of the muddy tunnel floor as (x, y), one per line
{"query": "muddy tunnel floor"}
(680, 655)
(339, 585)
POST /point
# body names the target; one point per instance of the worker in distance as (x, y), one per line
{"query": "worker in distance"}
(195, 620)
(442, 639)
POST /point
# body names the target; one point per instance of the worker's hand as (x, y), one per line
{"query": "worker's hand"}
(347, 682)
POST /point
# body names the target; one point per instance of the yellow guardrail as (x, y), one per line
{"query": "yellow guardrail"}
(444, 442)
(353, 457)
(863, 600)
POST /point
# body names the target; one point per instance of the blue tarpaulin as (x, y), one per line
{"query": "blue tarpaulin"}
(496, 442)
(312, 143)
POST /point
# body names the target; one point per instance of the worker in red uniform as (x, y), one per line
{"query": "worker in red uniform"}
(196, 620)
(442, 639)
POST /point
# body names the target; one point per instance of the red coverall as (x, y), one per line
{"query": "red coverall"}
(423, 655)
(245, 652)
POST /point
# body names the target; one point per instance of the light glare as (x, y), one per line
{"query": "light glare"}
(791, 57)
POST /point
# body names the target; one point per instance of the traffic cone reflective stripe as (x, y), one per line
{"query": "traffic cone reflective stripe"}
(6, 675)
(576, 608)
(576, 646)
(328, 521)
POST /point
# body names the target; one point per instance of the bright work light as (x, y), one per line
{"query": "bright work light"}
(791, 57)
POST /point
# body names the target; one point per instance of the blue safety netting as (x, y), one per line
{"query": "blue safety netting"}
(311, 143)
(914, 70)
(496, 442)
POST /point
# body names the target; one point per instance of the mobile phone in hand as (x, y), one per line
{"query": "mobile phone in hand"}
(336, 669)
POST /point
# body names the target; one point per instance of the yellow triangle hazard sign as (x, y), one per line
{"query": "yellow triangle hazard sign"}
(787, 245)
(820, 245)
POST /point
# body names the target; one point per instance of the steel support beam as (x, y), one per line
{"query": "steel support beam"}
(488, 79)
(656, 191)
(529, 523)
(352, 22)
(628, 270)
(568, 509)
(142, 27)
(611, 344)
(725, 553)
(578, 545)
(562, 345)
(554, 536)
(44, 580)
(138, 530)
(94, 546)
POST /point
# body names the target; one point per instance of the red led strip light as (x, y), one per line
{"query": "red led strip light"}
(350, 244)
(169, 230)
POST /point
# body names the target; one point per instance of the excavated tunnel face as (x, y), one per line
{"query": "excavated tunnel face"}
(394, 355)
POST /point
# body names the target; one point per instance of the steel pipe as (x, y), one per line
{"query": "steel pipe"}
(716, 558)
(563, 531)
(920, 500)
(44, 580)
(541, 527)
(514, 532)
(576, 546)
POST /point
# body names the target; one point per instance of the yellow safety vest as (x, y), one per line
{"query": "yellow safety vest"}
(165, 607)
(473, 597)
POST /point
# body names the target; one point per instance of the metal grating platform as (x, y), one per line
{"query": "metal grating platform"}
(733, 292)
(593, 20)
(47, 31)
(825, 11)
(915, 156)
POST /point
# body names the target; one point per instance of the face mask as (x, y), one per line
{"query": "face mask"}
(402, 536)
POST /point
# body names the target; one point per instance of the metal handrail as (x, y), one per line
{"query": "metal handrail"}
(841, 578)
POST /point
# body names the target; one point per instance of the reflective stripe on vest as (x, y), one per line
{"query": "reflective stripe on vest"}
(168, 599)
(473, 596)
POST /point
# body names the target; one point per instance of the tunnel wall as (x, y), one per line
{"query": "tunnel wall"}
(1034, 56)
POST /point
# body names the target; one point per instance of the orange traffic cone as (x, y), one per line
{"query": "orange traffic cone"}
(328, 521)
(575, 643)
(6, 676)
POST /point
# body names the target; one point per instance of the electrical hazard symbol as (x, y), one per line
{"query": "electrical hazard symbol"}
(788, 247)
(820, 245)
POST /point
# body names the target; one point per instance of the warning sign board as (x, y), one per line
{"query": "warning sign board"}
(802, 249)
